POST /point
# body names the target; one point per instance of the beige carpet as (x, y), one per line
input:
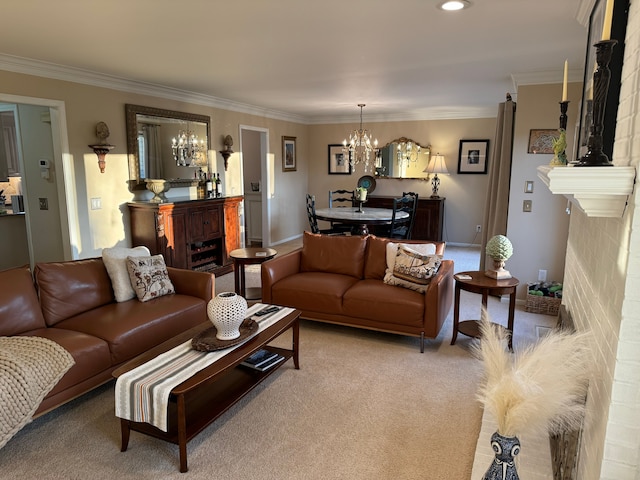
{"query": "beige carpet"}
(364, 405)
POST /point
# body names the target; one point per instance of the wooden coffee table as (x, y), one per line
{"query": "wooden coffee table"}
(199, 400)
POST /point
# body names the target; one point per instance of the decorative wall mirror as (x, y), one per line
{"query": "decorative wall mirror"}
(403, 158)
(154, 145)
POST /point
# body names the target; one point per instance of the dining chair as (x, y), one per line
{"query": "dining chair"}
(401, 228)
(342, 198)
(311, 213)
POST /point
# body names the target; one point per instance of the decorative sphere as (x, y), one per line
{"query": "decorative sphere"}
(227, 311)
(499, 248)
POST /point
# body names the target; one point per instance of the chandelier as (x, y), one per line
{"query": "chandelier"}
(188, 150)
(360, 147)
(407, 152)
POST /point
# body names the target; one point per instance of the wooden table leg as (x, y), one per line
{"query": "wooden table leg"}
(182, 433)
(456, 313)
(125, 432)
(296, 343)
(512, 312)
(237, 267)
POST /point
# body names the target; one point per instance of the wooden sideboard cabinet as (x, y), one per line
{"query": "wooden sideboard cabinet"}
(428, 224)
(191, 234)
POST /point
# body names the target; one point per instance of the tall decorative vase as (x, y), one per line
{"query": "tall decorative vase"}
(503, 466)
(227, 311)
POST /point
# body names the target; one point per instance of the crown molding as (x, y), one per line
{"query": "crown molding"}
(541, 78)
(86, 77)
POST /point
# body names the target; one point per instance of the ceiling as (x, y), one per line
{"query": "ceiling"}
(307, 61)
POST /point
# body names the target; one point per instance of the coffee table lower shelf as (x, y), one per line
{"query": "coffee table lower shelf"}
(203, 406)
(200, 400)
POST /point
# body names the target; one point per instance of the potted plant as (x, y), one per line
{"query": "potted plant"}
(361, 194)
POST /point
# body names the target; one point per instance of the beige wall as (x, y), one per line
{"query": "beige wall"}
(465, 194)
(539, 237)
(86, 105)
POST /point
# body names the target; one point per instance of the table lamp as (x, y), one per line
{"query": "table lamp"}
(436, 165)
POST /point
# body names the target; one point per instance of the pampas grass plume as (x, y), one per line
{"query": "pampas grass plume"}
(540, 388)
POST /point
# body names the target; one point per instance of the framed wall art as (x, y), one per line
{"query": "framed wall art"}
(618, 32)
(288, 154)
(472, 157)
(338, 162)
(541, 140)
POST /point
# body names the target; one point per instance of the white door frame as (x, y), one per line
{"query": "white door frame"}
(63, 162)
(266, 180)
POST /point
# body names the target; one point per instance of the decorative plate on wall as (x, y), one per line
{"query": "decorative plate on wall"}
(367, 182)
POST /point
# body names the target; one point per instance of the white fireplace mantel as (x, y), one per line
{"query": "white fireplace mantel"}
(598, 191)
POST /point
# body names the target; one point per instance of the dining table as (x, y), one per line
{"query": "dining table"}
(361, 218)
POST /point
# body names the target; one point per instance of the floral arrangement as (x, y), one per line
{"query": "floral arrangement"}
(541, 387)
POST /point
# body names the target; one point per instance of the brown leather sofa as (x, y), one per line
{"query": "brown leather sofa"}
(339, 279)
(72, 303)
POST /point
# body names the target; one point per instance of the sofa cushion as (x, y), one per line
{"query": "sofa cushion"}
(374, 300)
(70, 288)
(19, 307)
(114, 259)
(376, 257)
(149, 277)
(313, 291)
(333, 254)
(90, 353)
(133, 327)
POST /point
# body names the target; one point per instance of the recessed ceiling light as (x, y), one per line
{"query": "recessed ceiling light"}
(452, 5)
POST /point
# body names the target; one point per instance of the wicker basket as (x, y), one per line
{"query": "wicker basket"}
(545, 305)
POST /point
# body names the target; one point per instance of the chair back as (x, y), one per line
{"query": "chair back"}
(342, 198)
(401, 227)
(311, 213)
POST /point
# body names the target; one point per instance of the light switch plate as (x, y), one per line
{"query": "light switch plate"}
(44, 203)
(526, 205)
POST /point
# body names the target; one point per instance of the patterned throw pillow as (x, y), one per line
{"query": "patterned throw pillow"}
(412, 269)
(149, 277)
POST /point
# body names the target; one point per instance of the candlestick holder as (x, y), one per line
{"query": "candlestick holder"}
(595, 157)
(563, 114)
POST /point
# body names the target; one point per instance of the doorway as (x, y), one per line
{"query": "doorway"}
(41, 136)
(257, 181)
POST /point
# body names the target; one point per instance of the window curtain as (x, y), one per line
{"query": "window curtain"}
(497, 202)
(154, 150)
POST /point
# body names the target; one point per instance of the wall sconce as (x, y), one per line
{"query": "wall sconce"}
(102, 148)
(226, 153)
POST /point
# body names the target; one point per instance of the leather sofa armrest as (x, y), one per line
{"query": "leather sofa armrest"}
(190, 282)
(278, 268)
(439, 299)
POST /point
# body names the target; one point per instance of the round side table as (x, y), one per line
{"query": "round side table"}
(249, 256)
(480, 283)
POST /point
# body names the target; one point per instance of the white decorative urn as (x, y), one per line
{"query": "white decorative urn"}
(227, 311)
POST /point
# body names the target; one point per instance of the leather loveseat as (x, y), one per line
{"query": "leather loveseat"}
(340, 279)
(73, 304)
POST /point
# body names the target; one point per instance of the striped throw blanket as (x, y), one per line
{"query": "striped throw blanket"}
(142, 394)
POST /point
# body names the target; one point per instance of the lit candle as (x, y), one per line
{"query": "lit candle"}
(564, 82)
(608, 17)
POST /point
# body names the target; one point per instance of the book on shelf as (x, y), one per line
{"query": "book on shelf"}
(262, 360)
(258, 358)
